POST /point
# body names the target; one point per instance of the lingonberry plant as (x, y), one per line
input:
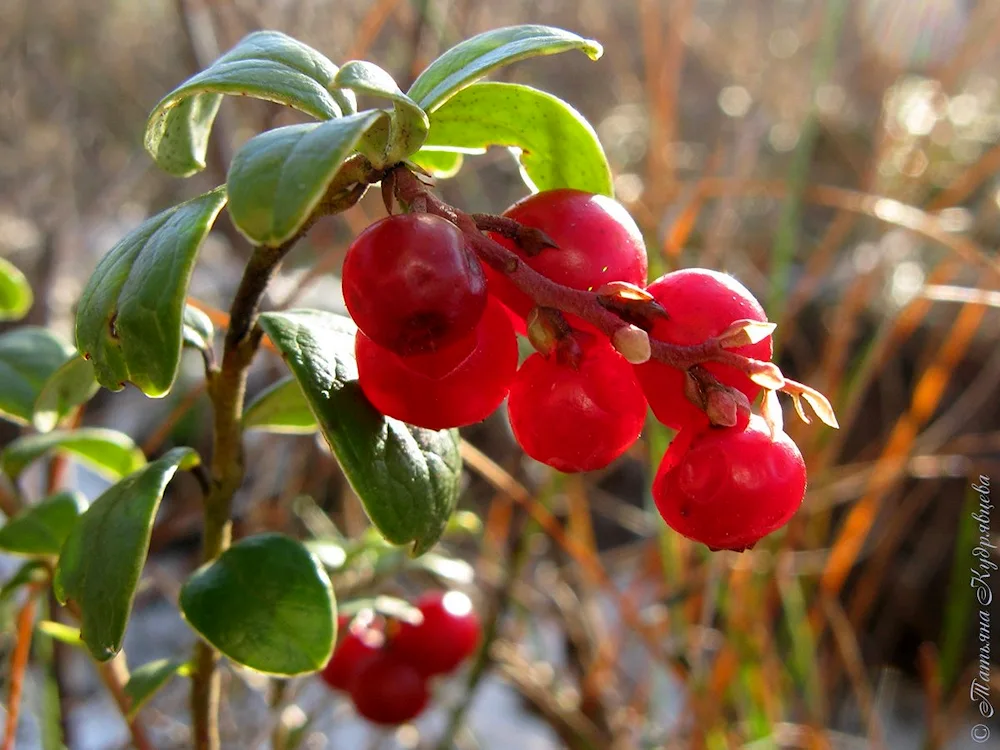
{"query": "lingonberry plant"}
(436, 350)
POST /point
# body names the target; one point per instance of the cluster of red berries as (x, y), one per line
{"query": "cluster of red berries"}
(437, 348)
(384, 665)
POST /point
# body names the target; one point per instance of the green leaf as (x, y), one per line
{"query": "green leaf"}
(28, 358)
(277, 178)
(73, 384)
(558, 147)
(266, 603)
(146, 680)
(42, 528)
(407, 128)
(281, 408)
(198, 331)
(33, 571)
(265, 65)
(63, 633)
(110, 453)
(101, 560)
(130, 316)
(472, 59)
(406, 477)
(440, 164)
(15, 292)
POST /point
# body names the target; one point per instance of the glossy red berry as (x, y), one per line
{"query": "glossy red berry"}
(411, 285)
(389, 691)
(360, 642)
(701, 305)
(728, 488)
(576, 419)
(597, 242)
(468, 393)
(447, 636)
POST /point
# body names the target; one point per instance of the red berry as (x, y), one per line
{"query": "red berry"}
(387, 690)
(576, 419)
(728, 488)
(597, 242)
(447, 636)
(411, 285)
(468, 393)
(360, 642)
(701, 305)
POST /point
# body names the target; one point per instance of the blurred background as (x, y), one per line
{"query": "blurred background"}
(840, 157)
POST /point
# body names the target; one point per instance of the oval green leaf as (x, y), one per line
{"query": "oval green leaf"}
(407, 127)
(15, 292)
(266, 603)
(102, 558)
(70, 386)
(406, 477)
(42, 528)
(130, 316)
(281, 408)
(558, 147)
(439, 163)
(472, 59)
(29, 356)
(198, 331)
(110, 453)
(146, 680)
(266, 65)
(277, 178)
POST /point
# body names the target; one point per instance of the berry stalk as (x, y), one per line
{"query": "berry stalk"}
(547, 293)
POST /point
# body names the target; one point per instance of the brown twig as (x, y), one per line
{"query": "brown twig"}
(18, 666)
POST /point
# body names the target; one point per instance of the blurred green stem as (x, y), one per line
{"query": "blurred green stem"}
(787, 235)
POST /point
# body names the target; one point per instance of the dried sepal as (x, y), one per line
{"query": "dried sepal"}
(745, 333)
(767, 375)
(632, 343)
(631, 303)
(772, 413)
(819, 403)
(721, 408)
(389, 192)
(797, 403)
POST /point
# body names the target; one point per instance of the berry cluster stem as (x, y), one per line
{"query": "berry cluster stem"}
(547, 293)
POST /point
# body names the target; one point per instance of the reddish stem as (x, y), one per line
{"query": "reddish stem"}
(547, 293)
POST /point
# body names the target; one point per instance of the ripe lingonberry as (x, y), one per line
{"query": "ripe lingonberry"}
(701, 305)
(727, 487)
(576, 419)
(468, 393)
(597, 242)
(447, 636)
(361, 641)
(411, 285)
(387, 690)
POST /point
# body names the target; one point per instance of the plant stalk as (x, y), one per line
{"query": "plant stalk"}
(227, 389)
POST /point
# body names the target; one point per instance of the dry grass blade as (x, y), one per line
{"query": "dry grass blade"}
(925, 399)
(578, 552)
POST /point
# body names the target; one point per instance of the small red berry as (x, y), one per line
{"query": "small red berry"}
(411, 285)
(360, 642)
(576, 419)
(728, 488)
(387, 690)
(447, 636)
(701, 305)
(597, 242)
(468, 393)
